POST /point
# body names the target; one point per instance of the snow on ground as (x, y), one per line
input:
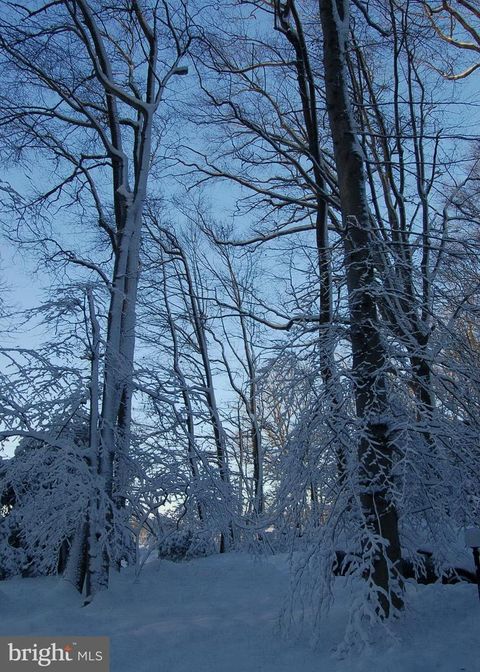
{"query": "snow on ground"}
(220, 614)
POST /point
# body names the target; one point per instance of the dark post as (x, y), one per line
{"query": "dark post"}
(472, 539)
(476, 557)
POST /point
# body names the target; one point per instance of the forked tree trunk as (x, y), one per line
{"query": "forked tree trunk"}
(119, 116)
(375, 449)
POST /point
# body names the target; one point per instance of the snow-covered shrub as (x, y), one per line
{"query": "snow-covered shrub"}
(185, 544)
(48, 486)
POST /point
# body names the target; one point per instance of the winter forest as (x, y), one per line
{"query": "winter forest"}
(239, 326)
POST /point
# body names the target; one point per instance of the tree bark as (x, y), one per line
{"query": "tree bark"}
(76, 567)
(369, 358)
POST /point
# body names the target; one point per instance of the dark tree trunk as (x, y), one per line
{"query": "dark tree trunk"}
(306, 87)
(375, 449)
(77, 563)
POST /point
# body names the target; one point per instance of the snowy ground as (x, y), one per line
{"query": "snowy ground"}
(220, 614)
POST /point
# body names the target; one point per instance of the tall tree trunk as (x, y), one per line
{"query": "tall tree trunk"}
(375, 449)
(219, 435)
(288, 22)
(188, 423)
